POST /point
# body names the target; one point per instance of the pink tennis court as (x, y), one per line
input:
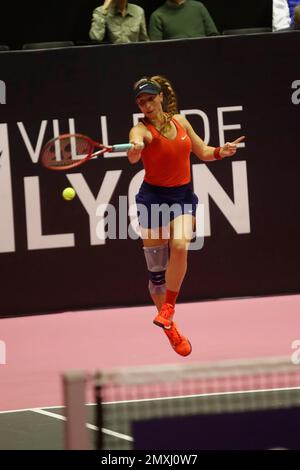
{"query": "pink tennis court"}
(40, 348)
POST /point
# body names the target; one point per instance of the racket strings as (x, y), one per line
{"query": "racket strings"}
(66, 151)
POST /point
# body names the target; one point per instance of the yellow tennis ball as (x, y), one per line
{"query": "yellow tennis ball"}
(69, 194)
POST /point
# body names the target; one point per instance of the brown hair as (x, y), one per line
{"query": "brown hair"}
(297, 15)
(170, 100)
(122, 3)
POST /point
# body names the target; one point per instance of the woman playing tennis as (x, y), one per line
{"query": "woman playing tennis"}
(166, 202)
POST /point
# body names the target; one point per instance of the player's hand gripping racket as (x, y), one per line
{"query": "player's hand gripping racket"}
(70, 150)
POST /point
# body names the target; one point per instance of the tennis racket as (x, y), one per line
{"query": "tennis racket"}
(71, 150)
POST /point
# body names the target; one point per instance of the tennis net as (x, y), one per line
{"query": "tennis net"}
(225, 405)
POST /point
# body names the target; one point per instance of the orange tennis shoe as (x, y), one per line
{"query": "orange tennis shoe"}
(179, 343)
(164, 317)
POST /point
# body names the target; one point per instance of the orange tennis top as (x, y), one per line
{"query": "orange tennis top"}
(166, 161)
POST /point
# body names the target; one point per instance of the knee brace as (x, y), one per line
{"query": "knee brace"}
(157, 260)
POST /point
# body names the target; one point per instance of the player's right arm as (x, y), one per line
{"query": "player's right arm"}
(139, 136)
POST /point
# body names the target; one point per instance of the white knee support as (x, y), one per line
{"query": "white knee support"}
(157, 260)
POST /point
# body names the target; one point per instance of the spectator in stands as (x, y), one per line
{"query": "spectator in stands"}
(121, 22)
(292, 4)
(177, 19)
(281, 15)
(297, 17)
(295, 25)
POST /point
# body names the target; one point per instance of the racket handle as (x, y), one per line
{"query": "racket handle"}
(121, 147)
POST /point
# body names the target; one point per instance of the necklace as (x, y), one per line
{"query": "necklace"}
(161, 125)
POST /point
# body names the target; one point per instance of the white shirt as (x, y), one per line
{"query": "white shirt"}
(281, 15)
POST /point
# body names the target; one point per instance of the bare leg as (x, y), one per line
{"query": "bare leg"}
(158, 300)
(177, 266)
(181, 231)
(181, 234)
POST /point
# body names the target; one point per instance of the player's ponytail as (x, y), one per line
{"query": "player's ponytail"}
(170, 100)
(169, 94)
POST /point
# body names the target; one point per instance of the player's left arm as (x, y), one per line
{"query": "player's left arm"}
(203, 151)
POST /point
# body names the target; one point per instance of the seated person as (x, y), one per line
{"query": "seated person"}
(177, 19)
(292, 4)
(296, 20)
(281, 15)
(295, 25)
(121, 22)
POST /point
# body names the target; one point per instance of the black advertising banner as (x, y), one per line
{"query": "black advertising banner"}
(269, 429)
(86, 253)
(73, 22)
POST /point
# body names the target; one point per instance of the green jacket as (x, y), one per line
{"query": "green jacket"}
(188, 20)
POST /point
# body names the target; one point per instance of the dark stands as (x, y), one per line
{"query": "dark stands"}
(70, 20)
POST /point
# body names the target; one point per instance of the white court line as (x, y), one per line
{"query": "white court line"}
(89, 426)
(129, 438)
(20, 410)
(160, 398)
(212, 394)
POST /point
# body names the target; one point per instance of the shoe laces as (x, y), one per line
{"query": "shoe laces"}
(174, 334)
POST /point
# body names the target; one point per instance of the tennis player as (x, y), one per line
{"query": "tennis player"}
(166, 202)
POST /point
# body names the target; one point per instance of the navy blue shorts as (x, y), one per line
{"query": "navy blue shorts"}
(158, 205)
